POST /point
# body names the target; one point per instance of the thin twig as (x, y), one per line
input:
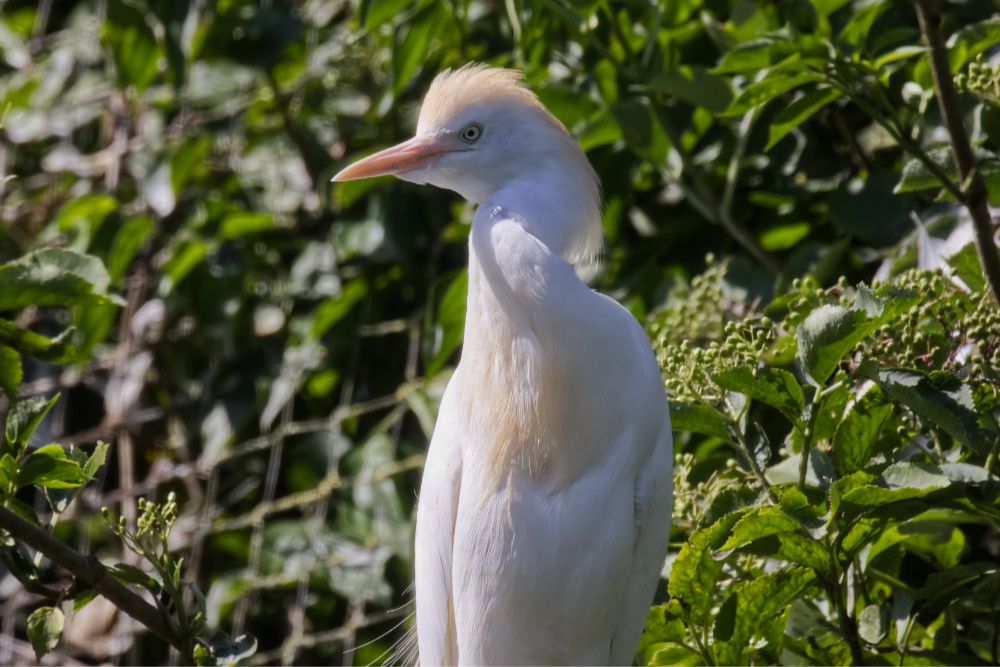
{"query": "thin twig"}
(973, 189)
(719, 214)
(90, 573)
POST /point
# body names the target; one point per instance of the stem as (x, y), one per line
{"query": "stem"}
(757, 472)
(894, 131)
(706, 652)
(973, 189)
(991, 459)
(89, 572)
(719, 214)
(807, 437)
(848, 628)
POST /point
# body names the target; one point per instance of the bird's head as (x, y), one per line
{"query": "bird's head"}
(479, 129)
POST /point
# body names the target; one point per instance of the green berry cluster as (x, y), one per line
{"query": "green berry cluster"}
(980, 78)
(696, 311)
(153, 526)
(945, 328)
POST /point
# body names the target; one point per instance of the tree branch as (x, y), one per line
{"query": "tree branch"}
(90, 573)
(973, 189)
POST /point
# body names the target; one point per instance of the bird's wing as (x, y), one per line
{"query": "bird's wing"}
(435, 534)
(653, 509)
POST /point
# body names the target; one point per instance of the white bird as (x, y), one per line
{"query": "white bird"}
(544, 509)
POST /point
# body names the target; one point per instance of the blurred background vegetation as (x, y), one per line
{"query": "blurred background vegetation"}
(280, 345)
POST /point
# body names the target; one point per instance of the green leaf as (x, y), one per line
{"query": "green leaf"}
(134, 45)
(85, 216)
(229, 651)
(940, 399)
(970, 40)
(244, 223)
(95, 460)
(873, 623)
(59, 350)
(899, 53)
(698, 418)
(855, 439)
(333, 310)
(694, 84)
(760, 523)
(766, 90)
(130, 574)
(965, 262)
(695, 571)
(411, 51)
(22, 420)
(831, 331)
(798, 112)
(131, 235)
(83, 598)
(53, 277)
(182, 260)
(45, 628)
(49, 467)
(773, 386)
(10, 370)
(757, 602)
(448, 323)
(917, 176)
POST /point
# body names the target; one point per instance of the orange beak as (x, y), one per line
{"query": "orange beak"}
(417, 153)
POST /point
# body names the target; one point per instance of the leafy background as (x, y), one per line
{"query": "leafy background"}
(272, 349)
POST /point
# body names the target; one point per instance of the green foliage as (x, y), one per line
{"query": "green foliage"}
(150, 540)
(879, 480)
(272, 349)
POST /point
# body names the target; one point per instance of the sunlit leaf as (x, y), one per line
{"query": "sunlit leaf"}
(45, 628)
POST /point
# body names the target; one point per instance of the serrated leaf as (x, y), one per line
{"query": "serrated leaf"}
(831, 331)
(948, 406)
(773, 386)
(758, 524)
(694, 572)
(798, 547)
(50, 467)
(698, 418)
(757, 601)
(95, 460)
(965, 263)
(53, 277)
(872, 496)
(798, 112)
(855, 439)
(662, 625)
(22, 420)
(45, 628)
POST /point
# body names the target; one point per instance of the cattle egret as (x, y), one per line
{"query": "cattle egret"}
(544, 509)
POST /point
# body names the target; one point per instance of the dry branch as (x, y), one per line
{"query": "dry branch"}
(971, 184)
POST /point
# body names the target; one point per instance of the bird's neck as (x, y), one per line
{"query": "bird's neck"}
(520, 288)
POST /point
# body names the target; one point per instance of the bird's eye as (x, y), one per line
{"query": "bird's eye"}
(472, 132)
